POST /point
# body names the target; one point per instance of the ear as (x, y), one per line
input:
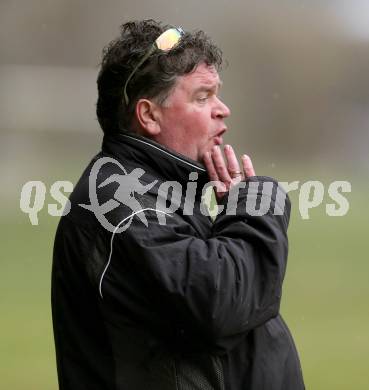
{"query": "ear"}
(147, 115)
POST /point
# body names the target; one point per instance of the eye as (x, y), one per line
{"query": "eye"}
(202, 98)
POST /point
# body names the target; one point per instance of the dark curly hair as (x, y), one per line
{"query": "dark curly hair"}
(155, 77)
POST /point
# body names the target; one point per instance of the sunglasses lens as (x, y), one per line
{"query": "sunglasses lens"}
(168, 39)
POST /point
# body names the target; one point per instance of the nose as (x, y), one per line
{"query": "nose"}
(221, 110)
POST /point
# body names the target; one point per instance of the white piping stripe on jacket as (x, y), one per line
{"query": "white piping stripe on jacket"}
(169, 154)
(112, 239)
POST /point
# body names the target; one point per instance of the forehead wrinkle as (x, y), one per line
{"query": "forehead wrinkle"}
(206, 78)
(209, 86)
(208, 81)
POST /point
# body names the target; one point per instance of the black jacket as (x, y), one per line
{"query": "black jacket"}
(172, 301)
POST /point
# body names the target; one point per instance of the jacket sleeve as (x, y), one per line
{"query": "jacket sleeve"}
(215, 289)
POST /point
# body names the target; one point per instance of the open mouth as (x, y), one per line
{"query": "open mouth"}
(218, 139)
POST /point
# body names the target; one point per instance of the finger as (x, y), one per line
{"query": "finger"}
(219, 188)
(232, 162)
(247, 166)
(220, 166)
(210, 167)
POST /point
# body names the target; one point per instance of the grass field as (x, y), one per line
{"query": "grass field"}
(325, 301)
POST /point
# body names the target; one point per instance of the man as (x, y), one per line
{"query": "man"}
(147, 291)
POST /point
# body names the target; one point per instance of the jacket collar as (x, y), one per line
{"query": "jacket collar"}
(153, 157)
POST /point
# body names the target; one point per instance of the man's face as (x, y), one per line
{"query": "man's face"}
(192, 118)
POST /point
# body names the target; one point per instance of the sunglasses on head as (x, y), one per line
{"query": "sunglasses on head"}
(165, 42)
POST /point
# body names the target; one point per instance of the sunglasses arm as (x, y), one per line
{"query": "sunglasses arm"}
(143, 59)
